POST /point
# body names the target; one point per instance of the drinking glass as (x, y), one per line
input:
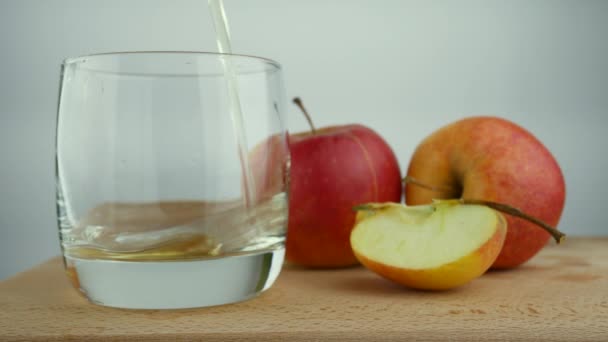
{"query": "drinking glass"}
(172, 170)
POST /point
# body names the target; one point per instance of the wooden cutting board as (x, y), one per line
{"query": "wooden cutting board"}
(561, 295)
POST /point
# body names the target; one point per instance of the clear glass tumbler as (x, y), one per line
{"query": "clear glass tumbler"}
(172, 170)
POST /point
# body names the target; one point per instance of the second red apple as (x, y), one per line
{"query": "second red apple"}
(334, 169)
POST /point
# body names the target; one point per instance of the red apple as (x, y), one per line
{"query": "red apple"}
(492, 159)
(332, 170)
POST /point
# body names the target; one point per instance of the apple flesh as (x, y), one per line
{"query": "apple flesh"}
(430, 247)
(332, 170)
(492, 159)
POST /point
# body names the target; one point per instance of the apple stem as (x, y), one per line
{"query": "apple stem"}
(421, 184)
(507, 209)
(299, 103)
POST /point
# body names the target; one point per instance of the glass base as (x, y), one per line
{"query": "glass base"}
(175, 284)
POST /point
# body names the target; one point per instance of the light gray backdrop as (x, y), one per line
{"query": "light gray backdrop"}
(403, 68)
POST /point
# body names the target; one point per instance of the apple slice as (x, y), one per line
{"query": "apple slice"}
(432, 247)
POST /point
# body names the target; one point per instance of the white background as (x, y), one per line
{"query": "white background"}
(403, 68)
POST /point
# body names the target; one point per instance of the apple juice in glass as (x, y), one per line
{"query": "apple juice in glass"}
(165, 197)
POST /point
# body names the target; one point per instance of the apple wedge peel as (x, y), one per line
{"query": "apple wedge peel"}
(438, 246)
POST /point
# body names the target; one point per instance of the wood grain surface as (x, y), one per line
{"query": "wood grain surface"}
(560, 295)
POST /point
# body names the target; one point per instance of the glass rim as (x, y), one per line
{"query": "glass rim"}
(81, 58)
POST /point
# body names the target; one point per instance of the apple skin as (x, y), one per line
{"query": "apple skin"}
(333, 170)
(493, 159)
(267, 161)
(447, 276)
